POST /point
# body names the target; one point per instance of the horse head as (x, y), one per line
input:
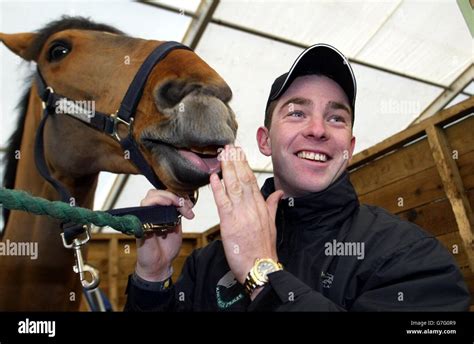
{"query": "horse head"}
(181, 121)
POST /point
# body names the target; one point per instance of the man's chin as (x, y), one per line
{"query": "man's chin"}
(313, 182)
(318, 187)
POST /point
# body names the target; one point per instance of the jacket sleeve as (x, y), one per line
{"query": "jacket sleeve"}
(422, 276)
(286, 293)
(177, 298)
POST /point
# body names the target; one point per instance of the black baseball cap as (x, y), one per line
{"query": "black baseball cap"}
(321, 59)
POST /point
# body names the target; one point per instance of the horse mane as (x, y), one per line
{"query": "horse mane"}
(14, 142)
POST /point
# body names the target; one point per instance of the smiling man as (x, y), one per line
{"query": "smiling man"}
(303, 242)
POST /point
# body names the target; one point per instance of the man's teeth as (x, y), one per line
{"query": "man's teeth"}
(313, 156)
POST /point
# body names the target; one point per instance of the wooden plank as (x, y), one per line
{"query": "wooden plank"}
(113, 272)
(412, 159)
(126, 266)
(393, 167)
(421, 188)
(413, 132)
(465, 165)
(213, 233)
(449, 241)
(461, 136)
(454, 244)
(411, 192)
(453, 187)
(437, 217)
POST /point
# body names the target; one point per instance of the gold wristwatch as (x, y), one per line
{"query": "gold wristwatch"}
(257, 277)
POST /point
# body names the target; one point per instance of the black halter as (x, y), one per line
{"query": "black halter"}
(161, 216)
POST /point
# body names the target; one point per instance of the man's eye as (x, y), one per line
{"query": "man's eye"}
(337, 118)
(296, 114)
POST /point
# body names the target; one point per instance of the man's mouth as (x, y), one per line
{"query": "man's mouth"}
(313, 156)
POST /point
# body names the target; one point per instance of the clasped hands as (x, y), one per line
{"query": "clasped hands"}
(247, 220)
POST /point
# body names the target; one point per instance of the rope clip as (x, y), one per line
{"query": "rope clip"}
(81, 267)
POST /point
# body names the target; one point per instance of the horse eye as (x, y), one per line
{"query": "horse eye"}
(58, 51)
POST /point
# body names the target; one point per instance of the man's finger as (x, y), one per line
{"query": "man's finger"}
(224, 205)
(244, 173)
(164, 198)
(157, 197)
(272, 203)
(186, 207)
(233, 187)
(186, 212)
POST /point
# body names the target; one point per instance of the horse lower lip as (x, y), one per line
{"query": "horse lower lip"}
(207, 165)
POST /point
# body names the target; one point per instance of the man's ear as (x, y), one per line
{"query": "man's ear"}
(263, 141)
(353, 141)
(19, 43)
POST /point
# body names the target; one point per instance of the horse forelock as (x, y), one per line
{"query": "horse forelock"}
(66, 23)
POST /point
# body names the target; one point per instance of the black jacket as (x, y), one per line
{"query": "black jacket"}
(338, 255)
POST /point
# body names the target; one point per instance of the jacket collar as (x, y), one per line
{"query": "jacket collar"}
(325, 208)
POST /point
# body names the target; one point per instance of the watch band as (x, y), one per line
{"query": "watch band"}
(250, 285)
(252, 281)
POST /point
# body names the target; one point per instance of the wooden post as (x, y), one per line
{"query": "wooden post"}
(113, 271)
(453, 186)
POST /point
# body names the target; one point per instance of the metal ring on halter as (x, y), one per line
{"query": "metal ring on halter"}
(117, 120)
(51, 91)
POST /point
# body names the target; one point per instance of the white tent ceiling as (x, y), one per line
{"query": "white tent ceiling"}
(404, 53)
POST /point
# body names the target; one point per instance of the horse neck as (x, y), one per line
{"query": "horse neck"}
(43, 283)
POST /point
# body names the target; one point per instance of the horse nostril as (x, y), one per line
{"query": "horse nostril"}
(171, 92)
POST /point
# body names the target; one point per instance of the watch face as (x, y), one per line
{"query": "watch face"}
(265, 267)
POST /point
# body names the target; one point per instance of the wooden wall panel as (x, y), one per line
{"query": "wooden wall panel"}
(461, 135)
(410, 192)
(392, 167)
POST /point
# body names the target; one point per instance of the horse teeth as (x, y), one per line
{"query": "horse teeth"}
(203, 151)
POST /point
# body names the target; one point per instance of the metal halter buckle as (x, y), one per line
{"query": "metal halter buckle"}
(160, 229)
(117, 120)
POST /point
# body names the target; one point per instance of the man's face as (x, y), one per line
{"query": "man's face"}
(310, 138)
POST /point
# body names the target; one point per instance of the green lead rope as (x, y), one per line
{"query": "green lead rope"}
(21, 200)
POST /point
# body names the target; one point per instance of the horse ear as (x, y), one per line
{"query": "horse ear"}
(18, 43)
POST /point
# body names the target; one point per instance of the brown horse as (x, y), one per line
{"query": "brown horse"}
(181, 121)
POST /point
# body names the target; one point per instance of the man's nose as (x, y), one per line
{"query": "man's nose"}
(316, 128)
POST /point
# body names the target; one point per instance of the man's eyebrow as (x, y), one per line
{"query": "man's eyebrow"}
(296, 100)
(338, 106)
